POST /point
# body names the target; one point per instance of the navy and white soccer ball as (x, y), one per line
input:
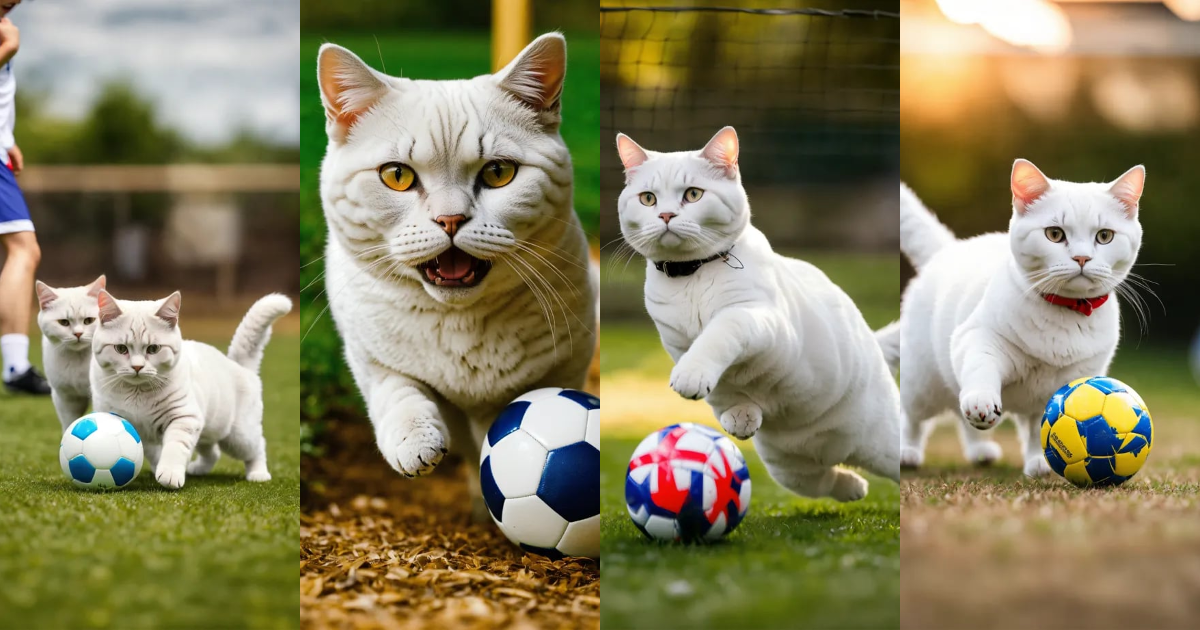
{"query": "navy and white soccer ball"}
(687, 482)
(540, 472)
(101, 450)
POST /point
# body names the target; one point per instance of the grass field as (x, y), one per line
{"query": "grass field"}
(793, 562)
(990, 548)
(219, 553)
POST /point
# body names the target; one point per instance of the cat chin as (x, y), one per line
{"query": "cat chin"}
(455, 296)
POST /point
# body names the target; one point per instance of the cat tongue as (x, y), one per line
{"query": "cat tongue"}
(454, 264)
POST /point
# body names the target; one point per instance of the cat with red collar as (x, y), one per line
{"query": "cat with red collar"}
(994, 324)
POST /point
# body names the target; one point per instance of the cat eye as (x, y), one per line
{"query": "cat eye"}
(87, 321)
(692, 195)
(1055, 234)
(647, 199)
(64, 322)
(397, 176)
(152, 349)
(121, 348)
(498, 173)
(1104, 237)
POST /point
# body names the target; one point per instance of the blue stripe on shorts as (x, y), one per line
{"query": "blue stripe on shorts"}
(14, 214)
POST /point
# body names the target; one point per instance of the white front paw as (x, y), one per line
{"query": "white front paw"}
(1036, 466)
(258, 476)
(170, 476)
(848, 486)
(415, 448)
(742, 421)
(983, 453)
(693, 381)
(981, 409)
(911, 457)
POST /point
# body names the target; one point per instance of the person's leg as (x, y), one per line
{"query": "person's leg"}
(22, 256)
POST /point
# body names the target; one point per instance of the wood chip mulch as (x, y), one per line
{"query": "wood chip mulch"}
(381, 551)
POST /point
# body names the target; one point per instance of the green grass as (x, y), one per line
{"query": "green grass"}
(221, 552)
(793, 562)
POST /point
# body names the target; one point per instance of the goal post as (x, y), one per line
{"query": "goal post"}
(511, 25)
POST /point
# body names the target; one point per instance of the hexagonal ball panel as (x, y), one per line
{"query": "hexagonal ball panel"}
(517, 462)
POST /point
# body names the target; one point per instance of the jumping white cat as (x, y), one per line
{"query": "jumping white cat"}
(68, 320)
(996, 323)
(456, 268)
(184, 396)
(777, 350)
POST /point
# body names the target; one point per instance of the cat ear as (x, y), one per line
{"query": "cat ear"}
(722, 150)
(169, 310)
(632, 155)
(1028, 184)
(1128, 189)
(536, 76)
(45, 294)
(108, 307)
(349, 87)
(96, 286)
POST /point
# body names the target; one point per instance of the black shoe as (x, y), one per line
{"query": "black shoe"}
(31, 382)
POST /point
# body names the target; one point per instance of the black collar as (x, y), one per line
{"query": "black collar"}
(676, 269)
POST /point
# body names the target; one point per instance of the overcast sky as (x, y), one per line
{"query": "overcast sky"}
(213, 66)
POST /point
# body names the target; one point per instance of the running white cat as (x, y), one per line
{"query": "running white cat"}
(456, 268)
(777, 350)
(184, 396)
(996, 323)
(67, 317)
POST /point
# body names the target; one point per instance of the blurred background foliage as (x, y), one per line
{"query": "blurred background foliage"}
(443, 40)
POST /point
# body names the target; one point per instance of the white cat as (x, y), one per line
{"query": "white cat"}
(456, 268)
(777, 350)
(184, 396)
(68, 320)
(996, 323)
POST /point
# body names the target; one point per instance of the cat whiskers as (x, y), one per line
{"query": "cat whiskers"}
(543, 302)
(374, 264)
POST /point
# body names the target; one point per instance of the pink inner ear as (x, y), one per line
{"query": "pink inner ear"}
(632, 156)
(1028, 183)
(1128, 187)
(46, 295)
(722, 150)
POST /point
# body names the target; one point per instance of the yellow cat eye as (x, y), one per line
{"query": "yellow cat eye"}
(1104, 237)
(1055, 234)
(692, 195)
(647, 198)
(397, 176)
(498, 173)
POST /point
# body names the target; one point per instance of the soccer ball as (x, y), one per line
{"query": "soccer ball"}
(1096, 432)
(687, 482)
(101, 450)
(540, 472)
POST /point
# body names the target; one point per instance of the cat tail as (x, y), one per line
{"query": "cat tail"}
(888, 339)
(921, 234)
(254, 332)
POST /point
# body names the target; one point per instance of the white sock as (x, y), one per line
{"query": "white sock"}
(15, 350)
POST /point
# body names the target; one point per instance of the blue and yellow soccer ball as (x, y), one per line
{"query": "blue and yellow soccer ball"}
(1096, 432)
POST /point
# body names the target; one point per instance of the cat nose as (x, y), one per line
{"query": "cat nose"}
(450, 222)
(137, 368)
(666, 217)
(78, 335)
(1081, 260)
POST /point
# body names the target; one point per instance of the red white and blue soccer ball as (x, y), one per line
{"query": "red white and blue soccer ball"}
(540, 472)
(101, 450)
(687, 483)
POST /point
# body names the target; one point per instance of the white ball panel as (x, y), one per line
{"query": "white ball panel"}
(745, 497)
(102, 449)
(683, 478)
(517, 463)
(639, 474)
(71, 446)
(582, 538)
(555, 422)
(639, 515)
(687, 464)
(592, 435)
(718, 528)
(661, 528)
(717, 463)
(131, 449)
(710, 492)
(529, 520)
(539, 394)
(695, 441)
(645, 446)
(103, 479)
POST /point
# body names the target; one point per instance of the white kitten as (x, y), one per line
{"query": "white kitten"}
(456, 268)
(998, 322)
(777, 350)
(184, 396)
(68, 320)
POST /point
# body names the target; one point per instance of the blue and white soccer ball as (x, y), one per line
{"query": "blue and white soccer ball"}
(540, 472)
(687, 482)
(101, 450)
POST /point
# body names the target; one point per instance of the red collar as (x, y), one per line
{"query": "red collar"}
(1079, 305)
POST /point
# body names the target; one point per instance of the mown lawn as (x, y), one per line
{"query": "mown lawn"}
(219, 553)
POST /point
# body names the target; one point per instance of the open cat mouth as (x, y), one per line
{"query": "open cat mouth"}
(455, 268)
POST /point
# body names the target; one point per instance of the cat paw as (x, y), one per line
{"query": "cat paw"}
(692, 382)
(258, 476)
(982, 410)
(1036, 466)
(911, 457)
(170, 476)
(742, 421)
(983, 453)
(848, 486)
(198, 468)
(416, 450)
